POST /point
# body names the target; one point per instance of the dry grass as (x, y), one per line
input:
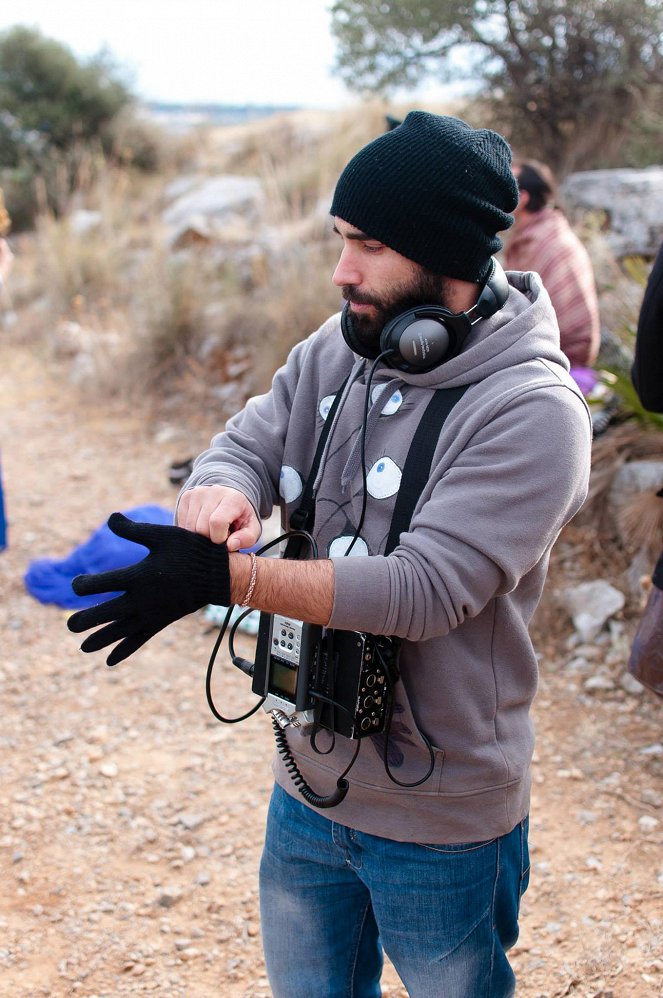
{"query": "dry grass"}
(149, 316)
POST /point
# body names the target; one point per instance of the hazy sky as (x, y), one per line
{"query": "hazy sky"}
(225, 51)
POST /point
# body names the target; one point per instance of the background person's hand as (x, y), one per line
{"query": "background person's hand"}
(182, 573)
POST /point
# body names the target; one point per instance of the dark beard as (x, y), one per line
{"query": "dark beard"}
(426, 289)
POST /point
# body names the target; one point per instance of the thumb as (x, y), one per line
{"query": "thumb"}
(245, 537)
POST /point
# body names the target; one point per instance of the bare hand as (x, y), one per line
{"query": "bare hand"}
(220, 513)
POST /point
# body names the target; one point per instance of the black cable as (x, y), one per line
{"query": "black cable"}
(208, 678)
(309, 795)
(367, 402)
(241, 663)
(387, 728)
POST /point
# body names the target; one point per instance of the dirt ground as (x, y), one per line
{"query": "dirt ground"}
(131, 821)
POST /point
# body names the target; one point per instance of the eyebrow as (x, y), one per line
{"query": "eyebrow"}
(361, 236)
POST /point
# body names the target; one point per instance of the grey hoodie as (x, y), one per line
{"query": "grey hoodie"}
(509, 471)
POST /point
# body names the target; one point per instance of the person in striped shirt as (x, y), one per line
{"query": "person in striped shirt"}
(542, 240)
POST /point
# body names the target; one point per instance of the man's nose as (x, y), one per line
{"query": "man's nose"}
(346, 270)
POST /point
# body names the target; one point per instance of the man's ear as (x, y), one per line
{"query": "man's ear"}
(523, 199)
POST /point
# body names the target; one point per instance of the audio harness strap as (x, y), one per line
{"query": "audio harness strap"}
(420, 456)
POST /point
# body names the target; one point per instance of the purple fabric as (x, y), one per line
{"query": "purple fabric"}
(49, 580)
(584, 378)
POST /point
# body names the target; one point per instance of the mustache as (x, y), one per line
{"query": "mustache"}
(355, 297)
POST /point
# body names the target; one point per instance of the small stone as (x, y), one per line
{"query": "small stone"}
(598, 684)
(647, 823)
(631, 685)
(169, 897)
(191, 821)
(108, 769)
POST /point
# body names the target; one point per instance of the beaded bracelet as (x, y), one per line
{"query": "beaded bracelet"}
(252, 583)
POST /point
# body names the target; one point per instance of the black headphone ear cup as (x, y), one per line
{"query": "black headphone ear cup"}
(421, 338)
(494, 293)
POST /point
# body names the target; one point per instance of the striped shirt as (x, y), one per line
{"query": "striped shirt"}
(545, 242)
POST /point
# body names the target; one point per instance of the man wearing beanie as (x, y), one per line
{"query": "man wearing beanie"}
(430, 439)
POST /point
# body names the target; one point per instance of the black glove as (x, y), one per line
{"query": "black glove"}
(183, 572)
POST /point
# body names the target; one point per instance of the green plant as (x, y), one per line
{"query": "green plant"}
(630, 405)
(49, 98)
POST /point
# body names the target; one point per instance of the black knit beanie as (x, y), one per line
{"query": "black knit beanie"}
(435, 190)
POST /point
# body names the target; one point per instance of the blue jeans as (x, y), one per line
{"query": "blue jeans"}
(332, 897)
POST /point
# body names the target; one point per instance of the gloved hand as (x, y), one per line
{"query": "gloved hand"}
(183, 572)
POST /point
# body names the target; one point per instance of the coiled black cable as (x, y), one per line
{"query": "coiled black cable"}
(309, 795)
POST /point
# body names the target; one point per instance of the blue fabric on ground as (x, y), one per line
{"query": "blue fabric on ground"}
(49, 580)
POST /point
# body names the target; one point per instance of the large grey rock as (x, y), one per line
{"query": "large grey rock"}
(632, 201)
(212, 205)
(633, 478)
(590, 605)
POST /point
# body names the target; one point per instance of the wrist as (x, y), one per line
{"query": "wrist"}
(240, 576)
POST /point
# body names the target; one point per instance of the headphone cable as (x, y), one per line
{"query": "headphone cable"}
(367, 401)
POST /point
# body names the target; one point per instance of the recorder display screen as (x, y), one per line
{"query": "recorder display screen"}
(283, 680)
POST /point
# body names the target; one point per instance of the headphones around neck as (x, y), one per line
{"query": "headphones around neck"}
(428, 335)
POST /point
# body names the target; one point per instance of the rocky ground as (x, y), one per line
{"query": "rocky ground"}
(131, 821)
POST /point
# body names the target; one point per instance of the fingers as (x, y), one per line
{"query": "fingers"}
(129, 643)
(131, 530)
(127, 648)
(103, 613)
(218, 512)
(105, 636)
(104, 582)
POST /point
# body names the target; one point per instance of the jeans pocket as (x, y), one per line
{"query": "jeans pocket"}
(456, 847)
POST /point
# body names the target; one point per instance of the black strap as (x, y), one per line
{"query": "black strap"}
(419, 459)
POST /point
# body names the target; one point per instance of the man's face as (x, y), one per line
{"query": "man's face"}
(379, 283)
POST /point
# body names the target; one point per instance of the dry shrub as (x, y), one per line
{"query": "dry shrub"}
(640, 521)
